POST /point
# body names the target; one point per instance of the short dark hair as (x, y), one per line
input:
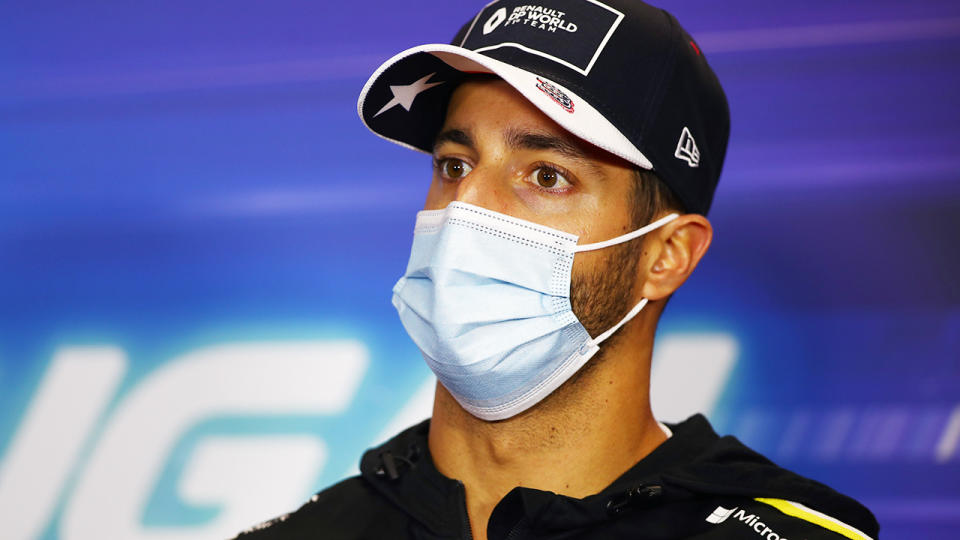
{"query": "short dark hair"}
(651, 197)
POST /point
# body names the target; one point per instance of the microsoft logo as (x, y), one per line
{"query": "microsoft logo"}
(720, 514)
(750, 520)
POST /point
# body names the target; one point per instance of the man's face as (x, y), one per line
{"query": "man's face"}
(497, 151)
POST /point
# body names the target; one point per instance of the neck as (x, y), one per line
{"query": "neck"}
(575, 442)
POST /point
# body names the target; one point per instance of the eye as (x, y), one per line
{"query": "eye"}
(453, 168)
(549, 178)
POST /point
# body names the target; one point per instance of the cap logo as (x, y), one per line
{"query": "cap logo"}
(555, 94)
(687, 149)
(541, 18)
(404, 94)
(546, 31)
(494, 21)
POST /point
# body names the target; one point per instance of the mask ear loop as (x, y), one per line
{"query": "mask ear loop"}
(619, 240)
(625, 237)
(633, 313)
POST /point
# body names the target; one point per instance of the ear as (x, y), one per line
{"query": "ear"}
(676, 250)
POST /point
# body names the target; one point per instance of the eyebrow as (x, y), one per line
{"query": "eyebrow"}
(456, 136)
(531, 140)
(518, 139)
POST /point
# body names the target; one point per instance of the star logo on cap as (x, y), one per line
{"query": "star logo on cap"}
(404, 94)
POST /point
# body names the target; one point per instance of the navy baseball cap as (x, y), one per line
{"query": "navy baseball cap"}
(619, 74)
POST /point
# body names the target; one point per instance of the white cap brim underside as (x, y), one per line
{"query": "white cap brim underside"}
(585, 122)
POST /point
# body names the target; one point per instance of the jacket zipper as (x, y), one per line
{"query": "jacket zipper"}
(516, 531)
(467, 532)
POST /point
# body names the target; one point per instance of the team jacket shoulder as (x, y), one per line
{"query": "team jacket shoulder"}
(348, 509)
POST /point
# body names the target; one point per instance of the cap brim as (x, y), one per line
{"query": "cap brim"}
(414, 124)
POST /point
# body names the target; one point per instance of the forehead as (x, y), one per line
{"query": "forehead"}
(489, 102)
(487, 109)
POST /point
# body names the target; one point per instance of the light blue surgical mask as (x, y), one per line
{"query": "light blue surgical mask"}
(486, 298)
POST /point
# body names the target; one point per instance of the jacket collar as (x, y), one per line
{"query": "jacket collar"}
(693, 462)
(402, 470)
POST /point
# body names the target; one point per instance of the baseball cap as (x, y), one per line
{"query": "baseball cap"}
(619, 74)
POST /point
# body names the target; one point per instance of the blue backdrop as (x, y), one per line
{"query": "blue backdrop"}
(198, 239)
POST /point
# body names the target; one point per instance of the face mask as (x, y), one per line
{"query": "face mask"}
(486, 298)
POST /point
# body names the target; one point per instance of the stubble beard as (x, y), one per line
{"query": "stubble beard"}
(602, 298)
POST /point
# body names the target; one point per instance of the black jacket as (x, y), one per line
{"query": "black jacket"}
(694, 485)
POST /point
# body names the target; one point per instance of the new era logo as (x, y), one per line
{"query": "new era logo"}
(720, 515)
(687, 149)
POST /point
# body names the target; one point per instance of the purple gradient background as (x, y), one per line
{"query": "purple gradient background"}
(178, 170)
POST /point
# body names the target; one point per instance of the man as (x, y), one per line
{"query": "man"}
(576, 149)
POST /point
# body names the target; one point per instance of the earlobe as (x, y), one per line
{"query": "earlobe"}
(678, 249)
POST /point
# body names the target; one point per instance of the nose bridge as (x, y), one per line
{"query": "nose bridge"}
(483, 187)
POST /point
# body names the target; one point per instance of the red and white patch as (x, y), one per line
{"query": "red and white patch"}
(555, 94)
